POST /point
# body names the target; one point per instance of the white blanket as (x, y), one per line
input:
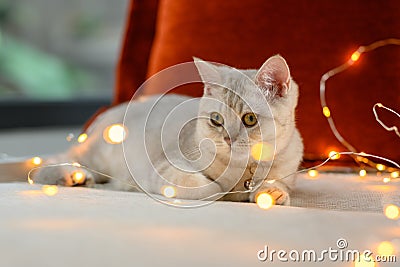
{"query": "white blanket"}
(87, 227)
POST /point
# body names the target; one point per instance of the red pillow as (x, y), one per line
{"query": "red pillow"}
(313, 36)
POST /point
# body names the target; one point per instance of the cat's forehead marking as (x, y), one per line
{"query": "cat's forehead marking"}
(234, 101)
(236, 87)
(242, 97)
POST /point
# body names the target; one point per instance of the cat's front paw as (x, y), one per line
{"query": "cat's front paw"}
(280, 197)
(279, 192)
(63, 175)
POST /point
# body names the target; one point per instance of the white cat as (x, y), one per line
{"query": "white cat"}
(239, 137)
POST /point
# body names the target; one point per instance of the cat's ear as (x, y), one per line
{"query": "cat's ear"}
(209, 74)
(274, 76)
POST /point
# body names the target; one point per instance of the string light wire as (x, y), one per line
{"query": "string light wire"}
(218, 194)
(387, 128)
(326, 111)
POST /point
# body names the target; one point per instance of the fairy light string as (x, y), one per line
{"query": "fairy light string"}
(387, 128)
(360, 159)
(116, 133)
(170, 191)
(263, 199)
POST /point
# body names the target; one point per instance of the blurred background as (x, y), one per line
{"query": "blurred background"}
(57, 57)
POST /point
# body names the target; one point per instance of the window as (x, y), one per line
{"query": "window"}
(57, 57)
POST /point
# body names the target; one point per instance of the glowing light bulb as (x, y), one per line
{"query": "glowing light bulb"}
(395, 175)
(392, 212)
(78, 177)
(114, 134)
(313, 173)
(386, 180)
(361, 158)
(385, 248)
(168, 191)
(262, 151)
(363, 173)
(69, 137)
(355, 56)
(76, 164)
(334, 155)
(326, 111)
(265, 201)
(82, 138)
(380, 167)
(364, 261)
(30, 181)
(36, 161)
(50, 190)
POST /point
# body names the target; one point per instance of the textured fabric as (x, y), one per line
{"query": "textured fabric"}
(314, 36)
(87, 227)
(345, 192)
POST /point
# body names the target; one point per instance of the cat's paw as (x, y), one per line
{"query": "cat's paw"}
(63, 175)
(280, 193)
(280, 196)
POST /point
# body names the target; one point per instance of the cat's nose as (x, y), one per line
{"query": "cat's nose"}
(228, 140)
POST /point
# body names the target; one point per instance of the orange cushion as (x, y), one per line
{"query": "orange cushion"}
(313, 36)
(134, 56)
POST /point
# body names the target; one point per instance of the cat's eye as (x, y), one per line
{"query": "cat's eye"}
(249, 119)
(216, 119)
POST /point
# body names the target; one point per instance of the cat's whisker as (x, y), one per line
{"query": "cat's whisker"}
(242, 145)
(192, 153)
(194, 150)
